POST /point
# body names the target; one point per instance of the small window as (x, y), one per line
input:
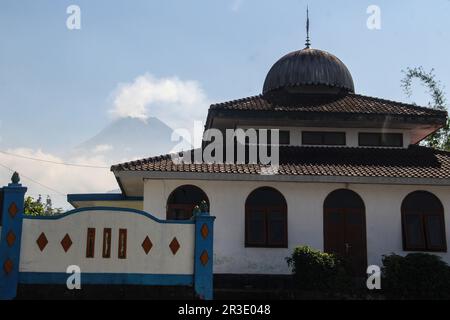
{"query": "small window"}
(374, 139)
(323, 138)
(106, 243)
(122, 244)
(423, 223)
(284, 137)
(90, 243)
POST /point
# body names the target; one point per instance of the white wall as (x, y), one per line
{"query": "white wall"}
(159, 260)
(305, 218)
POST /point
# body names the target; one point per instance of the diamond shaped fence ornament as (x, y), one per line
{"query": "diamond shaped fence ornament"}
(13, 210)
(66, 242)
(147, 245)
(174, 245)
(8, 266)
(10, 238)
(204, 258)
(42, 241)
(204, 231)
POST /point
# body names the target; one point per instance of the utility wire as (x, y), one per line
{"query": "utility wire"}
(34, 181)
(54, 162)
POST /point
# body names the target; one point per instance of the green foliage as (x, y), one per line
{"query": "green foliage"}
(415, 276)
(35, 207)
(441, 138)
(313, 269)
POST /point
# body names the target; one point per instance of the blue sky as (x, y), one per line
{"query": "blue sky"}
(57, 85)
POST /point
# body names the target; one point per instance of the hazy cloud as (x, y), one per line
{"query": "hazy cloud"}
(101, 148)
(64, 179)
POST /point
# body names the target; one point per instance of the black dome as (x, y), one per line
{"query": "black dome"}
(308, 67)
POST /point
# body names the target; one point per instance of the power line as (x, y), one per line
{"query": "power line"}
(34, 181)
(54, 162)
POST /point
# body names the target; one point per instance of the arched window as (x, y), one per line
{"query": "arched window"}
(423, 222)
(182, 201)
(265, 219)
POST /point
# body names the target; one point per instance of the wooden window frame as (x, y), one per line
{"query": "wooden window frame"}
(322, 138)
(442, 248)
(249, 209)
(106, 251)
(288, 132)
(269, 137)
(380, 139)
(425, 234)
(122, 233)
(90, 246)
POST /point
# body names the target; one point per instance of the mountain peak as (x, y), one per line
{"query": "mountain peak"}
(129, 138)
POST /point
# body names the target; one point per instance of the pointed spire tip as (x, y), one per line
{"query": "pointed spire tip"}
(308, 42)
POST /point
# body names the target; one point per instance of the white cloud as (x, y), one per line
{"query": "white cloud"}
(102, 148)
(176, 102)
(64, 179)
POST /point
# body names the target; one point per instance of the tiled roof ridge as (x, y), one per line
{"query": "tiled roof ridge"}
(404, 104)
(355, 95)
(166, 156)
(249, 98)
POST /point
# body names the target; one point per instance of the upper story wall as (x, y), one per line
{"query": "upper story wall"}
(352, 135)
(286, 109)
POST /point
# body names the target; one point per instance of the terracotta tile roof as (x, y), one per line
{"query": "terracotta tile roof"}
(341, 103)
(413, 162)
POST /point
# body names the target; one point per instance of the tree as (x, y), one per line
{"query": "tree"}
(48, 207)
(35, 207)
(441, 138)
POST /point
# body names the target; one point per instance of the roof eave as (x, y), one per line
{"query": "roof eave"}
(439, 120)
(162, 175)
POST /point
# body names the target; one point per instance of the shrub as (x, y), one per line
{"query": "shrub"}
(415, 276)
(313, 269)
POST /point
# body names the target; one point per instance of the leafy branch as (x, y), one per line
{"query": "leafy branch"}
(441, 138)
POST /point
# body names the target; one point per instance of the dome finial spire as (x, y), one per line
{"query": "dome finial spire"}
(307, 43)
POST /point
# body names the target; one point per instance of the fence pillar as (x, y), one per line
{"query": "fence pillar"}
(203, 257)
(12, 216)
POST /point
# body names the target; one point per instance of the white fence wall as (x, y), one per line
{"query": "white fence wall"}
(159, 260)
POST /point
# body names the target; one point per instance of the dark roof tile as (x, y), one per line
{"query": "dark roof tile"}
(413, 162)
(339, 103)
